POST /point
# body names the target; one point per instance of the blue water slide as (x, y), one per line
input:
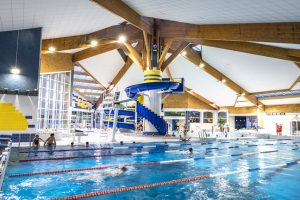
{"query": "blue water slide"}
(134, 90)
(121, 112)
(129, 126)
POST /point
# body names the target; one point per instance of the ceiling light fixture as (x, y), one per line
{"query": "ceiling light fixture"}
(15, 70)
(202, 65)
(94, 43)
(51, 49)
(122, 39)
(243, 94)
(223, 80)
(183, 53)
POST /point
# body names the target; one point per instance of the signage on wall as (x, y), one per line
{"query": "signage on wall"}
(275, 113)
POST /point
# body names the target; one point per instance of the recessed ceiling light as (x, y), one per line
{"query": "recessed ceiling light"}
(243, 94)
(223, 80)
(183, 53)
(15, 70)
(51, 49)
(122, 39)
(94, 43)
(202, 65)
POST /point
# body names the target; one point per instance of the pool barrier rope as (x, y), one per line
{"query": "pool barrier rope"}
(175, 181)
(75, 157)
(83, 169)
(141, 146)
(64, 150)
(140, 164)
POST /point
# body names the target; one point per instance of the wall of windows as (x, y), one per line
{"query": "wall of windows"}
(54, 100)
(208, 117)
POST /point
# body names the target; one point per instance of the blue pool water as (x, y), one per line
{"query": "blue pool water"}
(271, 183)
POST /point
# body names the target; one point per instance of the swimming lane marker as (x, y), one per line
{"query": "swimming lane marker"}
(171, 182)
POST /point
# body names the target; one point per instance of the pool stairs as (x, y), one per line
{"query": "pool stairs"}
(158, 122)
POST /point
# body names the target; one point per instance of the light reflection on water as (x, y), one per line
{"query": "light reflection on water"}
(248, 185)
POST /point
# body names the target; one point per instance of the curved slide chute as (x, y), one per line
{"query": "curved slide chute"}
(134, 90)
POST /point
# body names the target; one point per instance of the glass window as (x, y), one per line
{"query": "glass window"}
(53, 103)
(222, 116)
(207, 117)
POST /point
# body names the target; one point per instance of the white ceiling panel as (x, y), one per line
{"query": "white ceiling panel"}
(219, 11)
(202, 83)
(281, 101)
(253, 73)
(104, 67)
(58, 18)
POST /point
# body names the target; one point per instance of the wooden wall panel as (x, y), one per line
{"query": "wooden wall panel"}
(56, 62)
(193, 102)
(288, 108)
(240, 110)
(185, 101)
(176, 101)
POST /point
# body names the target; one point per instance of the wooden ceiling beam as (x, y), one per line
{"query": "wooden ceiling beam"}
(147, 48)
(122, 54)
(65, 43)
(253, 48)
(162, 57)
(294, 83)
(134, 55)
(193, 57)
(93, 51)
(113, 33)
(120, 74)
(282, 32)
(170, 59)
(102, 36)
(119, 8)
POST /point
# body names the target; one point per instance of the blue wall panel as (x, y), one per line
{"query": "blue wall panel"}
(29, 49)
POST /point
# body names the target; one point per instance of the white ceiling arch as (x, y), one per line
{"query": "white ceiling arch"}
(219, 11)
(253, 73)
(58, 18)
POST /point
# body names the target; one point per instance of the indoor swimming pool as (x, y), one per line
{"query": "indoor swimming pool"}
(239, 169)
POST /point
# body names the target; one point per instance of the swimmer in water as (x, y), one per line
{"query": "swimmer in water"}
(112, 173)
(189, 151)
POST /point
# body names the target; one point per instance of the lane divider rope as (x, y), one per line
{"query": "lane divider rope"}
(74, 157)
(171, 182)
(63, 150)
(139, 164)
(83, 169)
(139, 146)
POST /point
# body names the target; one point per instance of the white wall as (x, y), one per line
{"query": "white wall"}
(271, 120)
(27, 105)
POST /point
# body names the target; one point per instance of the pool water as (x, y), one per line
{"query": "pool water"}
(272, 183)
